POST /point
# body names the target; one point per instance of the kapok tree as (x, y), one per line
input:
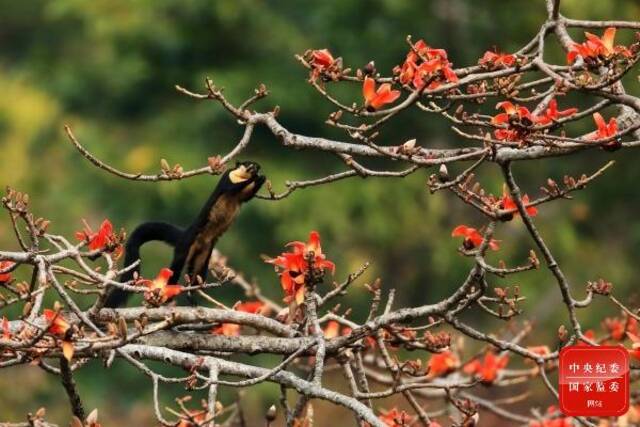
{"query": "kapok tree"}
(307, 331)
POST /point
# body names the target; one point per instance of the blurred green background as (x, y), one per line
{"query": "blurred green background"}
(108, 68)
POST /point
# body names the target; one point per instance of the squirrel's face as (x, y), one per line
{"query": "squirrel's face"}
(244, 180)
(244, 171)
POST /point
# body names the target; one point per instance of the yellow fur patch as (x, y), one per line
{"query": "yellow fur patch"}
(239, 174)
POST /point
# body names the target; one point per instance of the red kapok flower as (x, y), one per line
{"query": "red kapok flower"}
(96, 240)
(5, 265)
(227, 329)
(313, 247)
(441, 364)
(253, 307)
(406, 71)
(605, 130)
(233, 329)
(473, 238)
(395, 418)
(607, 43)
(425, 51)
(6, 331)
(294, 265)
(374, 99)
(322, 58)
(512, 113)
(160, 291)
(424, 62)
(508, 204)
(595, 47)
(589, 334)
(497, 60)
(507, 135)
(103, 239)
(332, 329)
(618, 328)
(517, 118)
(489, 368)
(193, 419)
(427, 69)
(551, 114)
(292, 279)
(58, 325)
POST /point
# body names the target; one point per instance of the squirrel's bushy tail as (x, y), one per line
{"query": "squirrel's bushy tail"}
(147, 232)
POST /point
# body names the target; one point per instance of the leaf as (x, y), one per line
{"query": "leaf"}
(67, 350)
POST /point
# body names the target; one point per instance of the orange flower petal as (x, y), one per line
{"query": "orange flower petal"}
(369, 89)
(252, 307)
(314, 242)
(170, 291)
(499, 119)
(6, 331)
(597, 117)
(332, 329)
(461, 231)
(67, 350)
(608, 37)
(507, 106)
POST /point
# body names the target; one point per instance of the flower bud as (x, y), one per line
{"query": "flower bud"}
(443, 173)
(270, 416)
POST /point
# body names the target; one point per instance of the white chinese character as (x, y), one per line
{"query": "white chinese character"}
(614, 368)
(587, 387)
(600, 386)
(574, 367)
(587, 368)
(573, 387)
(601, 368)
(614, 387)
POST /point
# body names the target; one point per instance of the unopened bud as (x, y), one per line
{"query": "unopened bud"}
(26, 310)
(562, 333)
(271, 413)
(409, 145)
(370, 68)
(443, 173)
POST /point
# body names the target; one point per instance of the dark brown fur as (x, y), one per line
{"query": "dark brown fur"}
(221, 216)
(193, 246)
